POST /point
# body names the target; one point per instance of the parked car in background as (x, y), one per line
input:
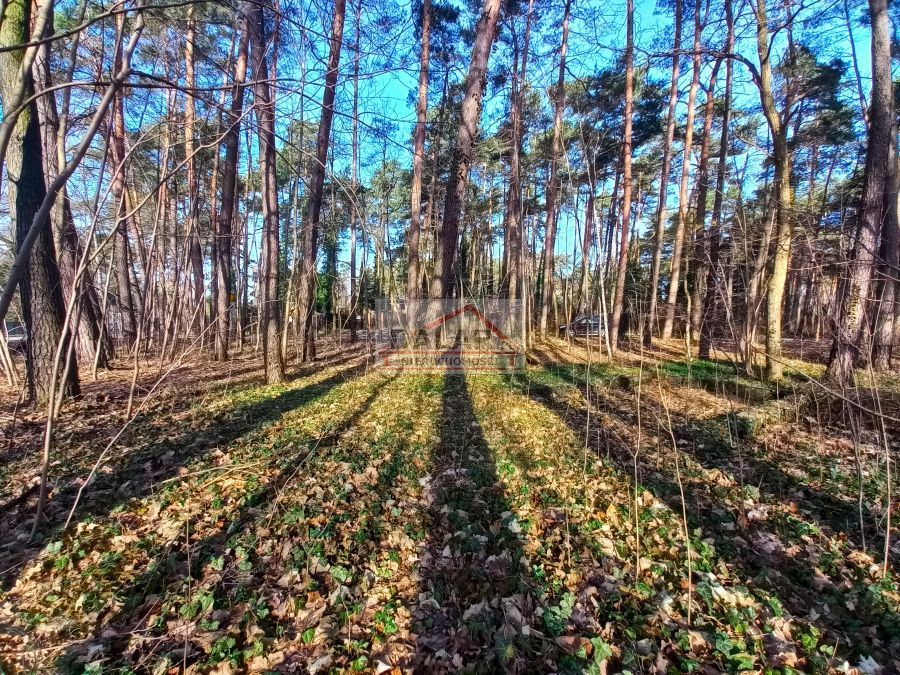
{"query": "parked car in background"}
(582, 327)
(15, 335)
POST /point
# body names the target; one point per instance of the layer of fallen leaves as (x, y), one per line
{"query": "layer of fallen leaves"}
(365, 521)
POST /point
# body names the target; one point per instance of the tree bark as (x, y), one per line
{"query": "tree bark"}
(619, 297)
(65, 237)
(512, 234)
(781, 156)
(415, 216)
(661, 210)
(708, 321)
(39, 287)
(464, 150)
(354, 174)
(584, 286)
(678, 245)
(513, 273)
(886, 318)
(122, 248)
(193, 188)
(223, 249)
(559, 104)
(264, 107)
(698, 269)
(307, 298)
(845, 347)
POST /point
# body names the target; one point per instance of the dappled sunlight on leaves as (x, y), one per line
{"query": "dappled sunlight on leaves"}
(360, 520)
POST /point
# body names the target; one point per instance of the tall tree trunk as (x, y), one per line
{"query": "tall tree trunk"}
(781, 156)
(354, 174)
(559, 104)
(243, 244)
(165, 300)
(39, 287)
(698, 269)
(512, 242)
(513, 280)
(292, 234)
(122, 248)
(415, 216)
(193, 187)
(214, 292)
(661, 210)
(428, 228)
(65, 237)
(464, 150)
(778, 278)
(678, 245)
(307, 298)
(291, 309)
(264, 107)
(708, 321)
(756, 275)
(852, 313)
(584, 292)
(224, 225)
(611, 220)
(889, 270)
(619, 297)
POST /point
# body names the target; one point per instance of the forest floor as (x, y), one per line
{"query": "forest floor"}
(360, 519)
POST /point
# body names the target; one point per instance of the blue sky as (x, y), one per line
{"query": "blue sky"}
(596, 38)
(389, 73)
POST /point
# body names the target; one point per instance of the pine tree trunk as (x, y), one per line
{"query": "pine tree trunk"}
(214, 291)
(196, 251)
(307, 289)
(611, 215)
(559, 101)
(845, 348)
(464, 151)
(264, 107)
(619, 297)
(709, 317)
(122, 248)
(512, 218)
(889, 271)
(225, 223)
(39, 287)
(661, 211)
(415, 228)
(678, 245)
(428, 229)
(698, 269)
(354, 175)
(513, 272)
(65, 238)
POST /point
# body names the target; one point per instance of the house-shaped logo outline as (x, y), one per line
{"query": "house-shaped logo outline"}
(472, 309)
(507, 349)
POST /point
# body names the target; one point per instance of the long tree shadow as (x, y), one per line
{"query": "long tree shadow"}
(241, 569)
(724, 443)
(138, 472)
(752, 552)
(474, 592)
